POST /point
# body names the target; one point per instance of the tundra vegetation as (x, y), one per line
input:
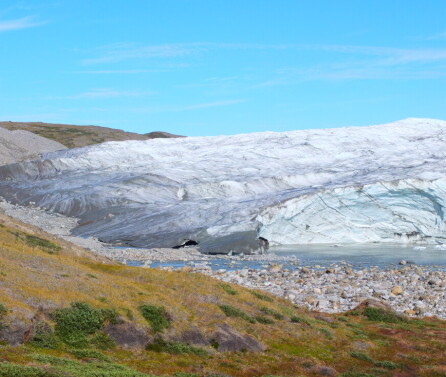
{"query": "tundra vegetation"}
(66, 312)
(79, 136)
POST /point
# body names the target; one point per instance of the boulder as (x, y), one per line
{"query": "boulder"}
(226, 338)
(373, 303)
(127, 335)
(16, 332)
(322, 370)
(324, 318)
(194, 336)
(397, 290)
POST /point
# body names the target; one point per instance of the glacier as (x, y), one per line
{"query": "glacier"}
(374, 184)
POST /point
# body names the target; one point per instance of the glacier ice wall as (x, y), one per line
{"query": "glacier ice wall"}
(382, 183)
(404, 211)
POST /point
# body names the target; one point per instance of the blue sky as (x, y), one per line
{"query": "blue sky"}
(208, 67)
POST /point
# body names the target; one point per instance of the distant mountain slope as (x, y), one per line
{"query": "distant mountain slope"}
(161, 135)
(20, 145)
(80, 136)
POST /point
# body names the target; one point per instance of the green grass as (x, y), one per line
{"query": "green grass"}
(79, 325)
(228, 289)
(381, 315)
(16, 370)
(35, 241)
(44, 336)
(261, 296)
(159, 345)
(102, 341)
(264, 320)
(89, 354)
(326, 332)
(272, 312)
(296, 319)
(65, 367)
(232, 311)
(381, 364)
(156, 316)
(3, 310)
(362, 356)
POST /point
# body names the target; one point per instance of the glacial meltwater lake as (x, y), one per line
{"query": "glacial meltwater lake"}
(364, 255)
(358, 256)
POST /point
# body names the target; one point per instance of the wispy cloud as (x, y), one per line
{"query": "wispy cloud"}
(109, 93)
(121, 71)
(211, 104)
(432, 37)
(179, 108)
(365, 62)
(19, 23)
(127, 51)
(391, 55)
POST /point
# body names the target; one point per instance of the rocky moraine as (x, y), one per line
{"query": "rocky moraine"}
(410, 289)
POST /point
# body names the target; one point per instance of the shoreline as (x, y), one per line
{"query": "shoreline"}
(60, 226)
(411, 289)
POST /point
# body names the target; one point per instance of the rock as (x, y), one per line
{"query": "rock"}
(194, 336)
(275, 268)
(323, 304)
(324, 318)
(397, 290)
(403, 262)
(361, 346)
(322, 370)
(228, 339)
(16, 332)
(410, 312)
(311, 300)
(373, 303)
(127, 335)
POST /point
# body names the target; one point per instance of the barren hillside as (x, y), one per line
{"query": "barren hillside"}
(19, 145)
(79, 136)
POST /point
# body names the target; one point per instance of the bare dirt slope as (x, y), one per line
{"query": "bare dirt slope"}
(79, 136)
(20, 145)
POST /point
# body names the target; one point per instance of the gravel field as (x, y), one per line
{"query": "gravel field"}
(414, 290)
(20, 145)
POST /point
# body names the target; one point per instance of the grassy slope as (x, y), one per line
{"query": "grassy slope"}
(53, 273)
(79, 136)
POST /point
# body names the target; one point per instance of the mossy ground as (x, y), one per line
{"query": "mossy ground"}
(368, 343)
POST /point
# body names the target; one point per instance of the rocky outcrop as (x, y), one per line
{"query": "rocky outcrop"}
(194, 336)
(16, 332)
(128, 335)
(226, 338)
